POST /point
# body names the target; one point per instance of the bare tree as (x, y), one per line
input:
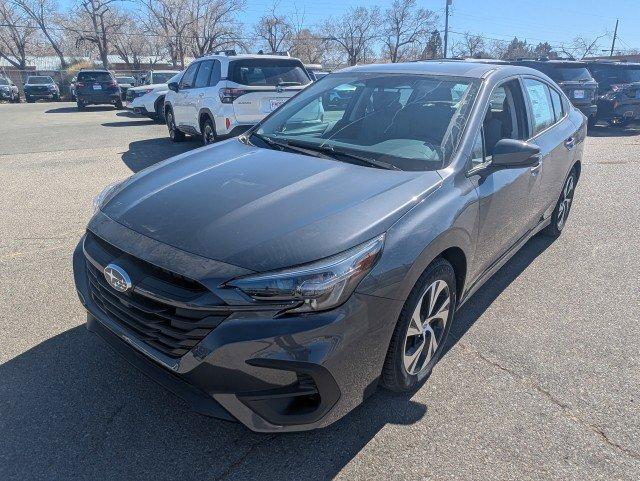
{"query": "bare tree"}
(582, 47)
(46, 16)
(274, 31)
(17, 35)
(354, 32)
(172, 21)
(406, 28)
(469, 45)
(308, 46)
(95, 22)
(214, 25)
(131, 42)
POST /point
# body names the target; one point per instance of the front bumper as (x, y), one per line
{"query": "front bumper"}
(42, 95)
(616, 111)
(587, 110)
(272, 374)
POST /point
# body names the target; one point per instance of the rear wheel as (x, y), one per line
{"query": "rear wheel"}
(591, 123)
(208, 132)
(422, 329)
(561, 211)
(174, 133)
(118, 105)
(29, 99)
(80, 105)
(159, 114)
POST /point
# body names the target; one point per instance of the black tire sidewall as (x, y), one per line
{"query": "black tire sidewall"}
(553, 229)
(204, 128)
(395, 377)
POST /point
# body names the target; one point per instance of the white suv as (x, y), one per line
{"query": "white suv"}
(221, 96)
(149, 99)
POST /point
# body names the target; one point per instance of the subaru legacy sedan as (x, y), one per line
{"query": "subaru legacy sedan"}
(278, 278)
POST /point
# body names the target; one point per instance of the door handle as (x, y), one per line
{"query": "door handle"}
(569, 143)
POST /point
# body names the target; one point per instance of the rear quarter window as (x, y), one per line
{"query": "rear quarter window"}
(267, 72)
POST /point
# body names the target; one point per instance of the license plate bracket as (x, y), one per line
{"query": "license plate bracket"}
(578, 94)
(97, 87)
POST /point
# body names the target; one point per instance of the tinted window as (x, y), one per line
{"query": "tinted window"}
(94, 77)
(215, 74)
(411, 121)
(202, 79)
(541, 106)
(189, 76)
(126, 80)
(556, 100)
(572, 74)
(505, 117)
(40, 80)
(267, 72)
(631, 75)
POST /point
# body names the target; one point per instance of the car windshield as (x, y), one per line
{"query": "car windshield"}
(162, 77)
(268, 72)
(4, 81)
(175, 78)
(39, 80)
(575, 74)
(125, 80)
(410, 122)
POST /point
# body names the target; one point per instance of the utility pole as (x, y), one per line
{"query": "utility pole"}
(446, 27)
(615, 34)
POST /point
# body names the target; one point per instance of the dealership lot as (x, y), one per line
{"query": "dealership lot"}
(542, 381)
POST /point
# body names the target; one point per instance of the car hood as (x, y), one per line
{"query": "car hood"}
(263, 209)
(153, 87)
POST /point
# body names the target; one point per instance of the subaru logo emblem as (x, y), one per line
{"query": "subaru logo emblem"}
(117, 277)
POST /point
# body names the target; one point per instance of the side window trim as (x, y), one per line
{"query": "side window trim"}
(471, 170)
(215, 70)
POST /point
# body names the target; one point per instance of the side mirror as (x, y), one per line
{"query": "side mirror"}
(173, 86)
(513, 154)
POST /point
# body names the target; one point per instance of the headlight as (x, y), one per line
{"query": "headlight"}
(99, 199)
(317, 286)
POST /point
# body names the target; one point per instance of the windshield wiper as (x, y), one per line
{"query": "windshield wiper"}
(332, 152)
(287, 146)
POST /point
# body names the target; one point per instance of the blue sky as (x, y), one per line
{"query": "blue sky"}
(556, 21)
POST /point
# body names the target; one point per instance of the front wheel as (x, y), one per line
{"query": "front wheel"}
(80, 105)
(175, 134)
(561, 211)
(118, 105)
(422, 329)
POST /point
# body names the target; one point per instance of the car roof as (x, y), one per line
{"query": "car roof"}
(245, 56)
(453, 68)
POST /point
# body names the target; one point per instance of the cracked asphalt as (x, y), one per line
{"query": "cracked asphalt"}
(541, 379)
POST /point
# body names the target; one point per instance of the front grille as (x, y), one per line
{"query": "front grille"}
(158, 309)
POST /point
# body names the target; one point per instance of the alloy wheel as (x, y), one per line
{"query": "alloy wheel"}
(171, 125)
(427, 327)
(565, 202)
(209, 136)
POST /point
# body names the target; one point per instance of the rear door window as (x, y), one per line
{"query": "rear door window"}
(556, 100)
(268, 72)
(540, 103)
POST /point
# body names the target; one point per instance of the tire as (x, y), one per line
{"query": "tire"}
(406, 364)
(208, 132)
(591, 122)
(563, 206)
(29, 100)
(81, 105)
(159, 115)
(118, 105)
(174, 133)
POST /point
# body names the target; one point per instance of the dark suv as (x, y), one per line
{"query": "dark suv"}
(575, 80)
(618, 91)
(40, 87)
(97, 87)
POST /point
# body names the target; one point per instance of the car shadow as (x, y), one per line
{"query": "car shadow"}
(66, 110)
(143, 153)
(72, 409)
(129, 123)
(484, 297)
(627, 131)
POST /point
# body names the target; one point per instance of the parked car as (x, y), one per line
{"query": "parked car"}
(618, 92)
(148, 100)
(95, 87)
(223, 95)
(125, 84)
(575, 80)
(278, 278)
(40, 87)
(315, 71)
(8, 90)
(155, 77)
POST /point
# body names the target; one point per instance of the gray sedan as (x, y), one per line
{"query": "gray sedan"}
(277, 278)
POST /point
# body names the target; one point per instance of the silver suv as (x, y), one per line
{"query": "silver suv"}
(220, 96)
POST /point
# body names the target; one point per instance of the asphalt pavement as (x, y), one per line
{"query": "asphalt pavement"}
(541, 379)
